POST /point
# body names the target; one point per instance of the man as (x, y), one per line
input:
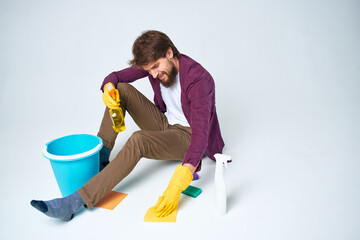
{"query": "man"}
(180, 125)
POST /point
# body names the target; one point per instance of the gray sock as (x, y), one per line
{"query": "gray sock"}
(63, 208)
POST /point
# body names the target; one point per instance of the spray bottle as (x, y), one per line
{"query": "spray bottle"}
(220, 190)
(116, 115)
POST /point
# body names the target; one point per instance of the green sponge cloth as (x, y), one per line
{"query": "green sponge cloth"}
(192, 191)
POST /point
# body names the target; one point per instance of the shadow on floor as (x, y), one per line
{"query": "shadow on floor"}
(140, 176)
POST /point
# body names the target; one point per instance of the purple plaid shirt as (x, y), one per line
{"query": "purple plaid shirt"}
(198, 105)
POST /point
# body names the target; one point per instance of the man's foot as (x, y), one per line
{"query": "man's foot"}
(63, 208)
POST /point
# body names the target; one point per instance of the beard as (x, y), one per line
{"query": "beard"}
(171, 77)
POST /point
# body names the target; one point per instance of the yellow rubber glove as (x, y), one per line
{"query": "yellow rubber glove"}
(151, 215)
(111, 96)
(111, 99)
(168, 202)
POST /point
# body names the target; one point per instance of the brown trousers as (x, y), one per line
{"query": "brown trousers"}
(157, 139)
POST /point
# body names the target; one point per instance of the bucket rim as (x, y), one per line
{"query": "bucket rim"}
(73, 157)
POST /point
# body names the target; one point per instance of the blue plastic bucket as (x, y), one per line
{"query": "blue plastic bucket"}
(74, 160)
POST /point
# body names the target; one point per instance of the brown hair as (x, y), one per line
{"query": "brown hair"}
(151, 46)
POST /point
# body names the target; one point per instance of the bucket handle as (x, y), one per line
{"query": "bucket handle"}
(71, 157)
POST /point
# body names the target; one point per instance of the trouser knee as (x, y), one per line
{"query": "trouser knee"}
(124, 90)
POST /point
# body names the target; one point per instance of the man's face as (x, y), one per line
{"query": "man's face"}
(163, 70)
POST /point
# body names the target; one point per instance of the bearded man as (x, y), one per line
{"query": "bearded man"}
(181, 124)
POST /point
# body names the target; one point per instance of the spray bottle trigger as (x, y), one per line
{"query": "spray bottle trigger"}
(225, 163)
(226, 159)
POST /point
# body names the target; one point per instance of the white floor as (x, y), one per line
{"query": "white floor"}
(287, 85)
(277, 189)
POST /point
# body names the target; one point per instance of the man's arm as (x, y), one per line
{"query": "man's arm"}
(200, 94)
(126, 75)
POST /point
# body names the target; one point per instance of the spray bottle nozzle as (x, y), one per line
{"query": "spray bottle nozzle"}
(222, 158)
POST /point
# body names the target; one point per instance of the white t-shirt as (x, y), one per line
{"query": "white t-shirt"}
(172, 98)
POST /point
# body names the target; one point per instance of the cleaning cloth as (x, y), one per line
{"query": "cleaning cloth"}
(111, 200)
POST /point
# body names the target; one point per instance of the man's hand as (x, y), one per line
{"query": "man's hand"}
(111, 96)
(168, 202)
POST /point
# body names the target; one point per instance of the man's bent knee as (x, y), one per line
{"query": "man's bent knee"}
(124, 87)
(137, 136)
(125, 90)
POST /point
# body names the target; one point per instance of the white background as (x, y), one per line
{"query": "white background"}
(287, 77)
